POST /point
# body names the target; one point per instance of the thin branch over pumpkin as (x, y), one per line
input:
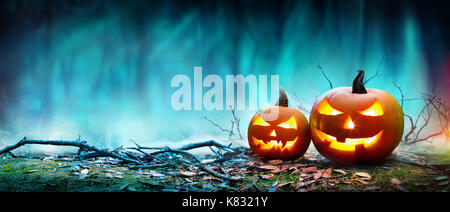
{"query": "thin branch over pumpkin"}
(323, 73)
(377, 72)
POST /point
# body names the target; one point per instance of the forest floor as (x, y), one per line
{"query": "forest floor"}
(53, 174)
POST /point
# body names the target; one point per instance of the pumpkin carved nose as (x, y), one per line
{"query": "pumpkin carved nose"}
(349, 124)
(273, 133)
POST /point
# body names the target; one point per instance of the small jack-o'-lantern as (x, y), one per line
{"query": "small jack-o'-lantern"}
(279, 131)
(354, 125)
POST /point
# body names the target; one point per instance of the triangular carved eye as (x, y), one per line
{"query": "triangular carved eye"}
(260, 122)
(326, 109)
(374, 110)
(289, 124)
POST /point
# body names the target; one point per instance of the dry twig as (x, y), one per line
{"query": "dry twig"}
(377, 72)
(434, 106)
(234, 124)
(323, 73)
(141, 159)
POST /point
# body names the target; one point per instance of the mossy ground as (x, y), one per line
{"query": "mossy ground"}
(28, 175)
(25, 175)
(413, 178)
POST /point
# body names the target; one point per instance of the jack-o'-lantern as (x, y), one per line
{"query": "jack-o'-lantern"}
(353, 125)
(279, 131)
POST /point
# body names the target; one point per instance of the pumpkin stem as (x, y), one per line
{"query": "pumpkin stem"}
(358, 83)
(283, 100)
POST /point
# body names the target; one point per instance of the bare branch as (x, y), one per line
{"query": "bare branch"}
(301, 107)
(230, 131)
(80, 144)
(323, 73)
(377, 72)
(403, 99)
(412, 128)
(434, 105)
(234, 125)
(401, 93)
(140, 159)
(236, 121)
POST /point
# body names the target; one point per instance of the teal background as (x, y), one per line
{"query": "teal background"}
(102, 69)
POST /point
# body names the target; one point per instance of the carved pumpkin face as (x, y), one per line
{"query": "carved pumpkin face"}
(348, 127)
(279, 132)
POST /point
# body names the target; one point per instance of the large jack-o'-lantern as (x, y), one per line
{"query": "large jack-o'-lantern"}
(279, 131)
(353, 125)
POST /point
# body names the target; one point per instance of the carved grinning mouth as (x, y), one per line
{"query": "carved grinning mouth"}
(347, 143)
(274, 144)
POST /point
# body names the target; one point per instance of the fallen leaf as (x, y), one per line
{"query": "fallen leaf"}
(84, 171)
(361, 180)
(340, 171)
(275, 171)
(363, 175)
(208, 160)
(187, 173)
(305, 175)
(235, 178)
(327, 172)
(303, 184)
(309, 169)
(296, 171)
(211, 178)
(275, 162)
(250, 163)
(284, 167)
(441, 178)
(280, 185)
(395, 181)
(318, 174)
(108, 175)
(119, 176)
(246, 172)
(213, 167)
(268, 167)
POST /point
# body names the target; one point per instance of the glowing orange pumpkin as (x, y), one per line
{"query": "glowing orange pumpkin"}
(279, 131)
(355, 125)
